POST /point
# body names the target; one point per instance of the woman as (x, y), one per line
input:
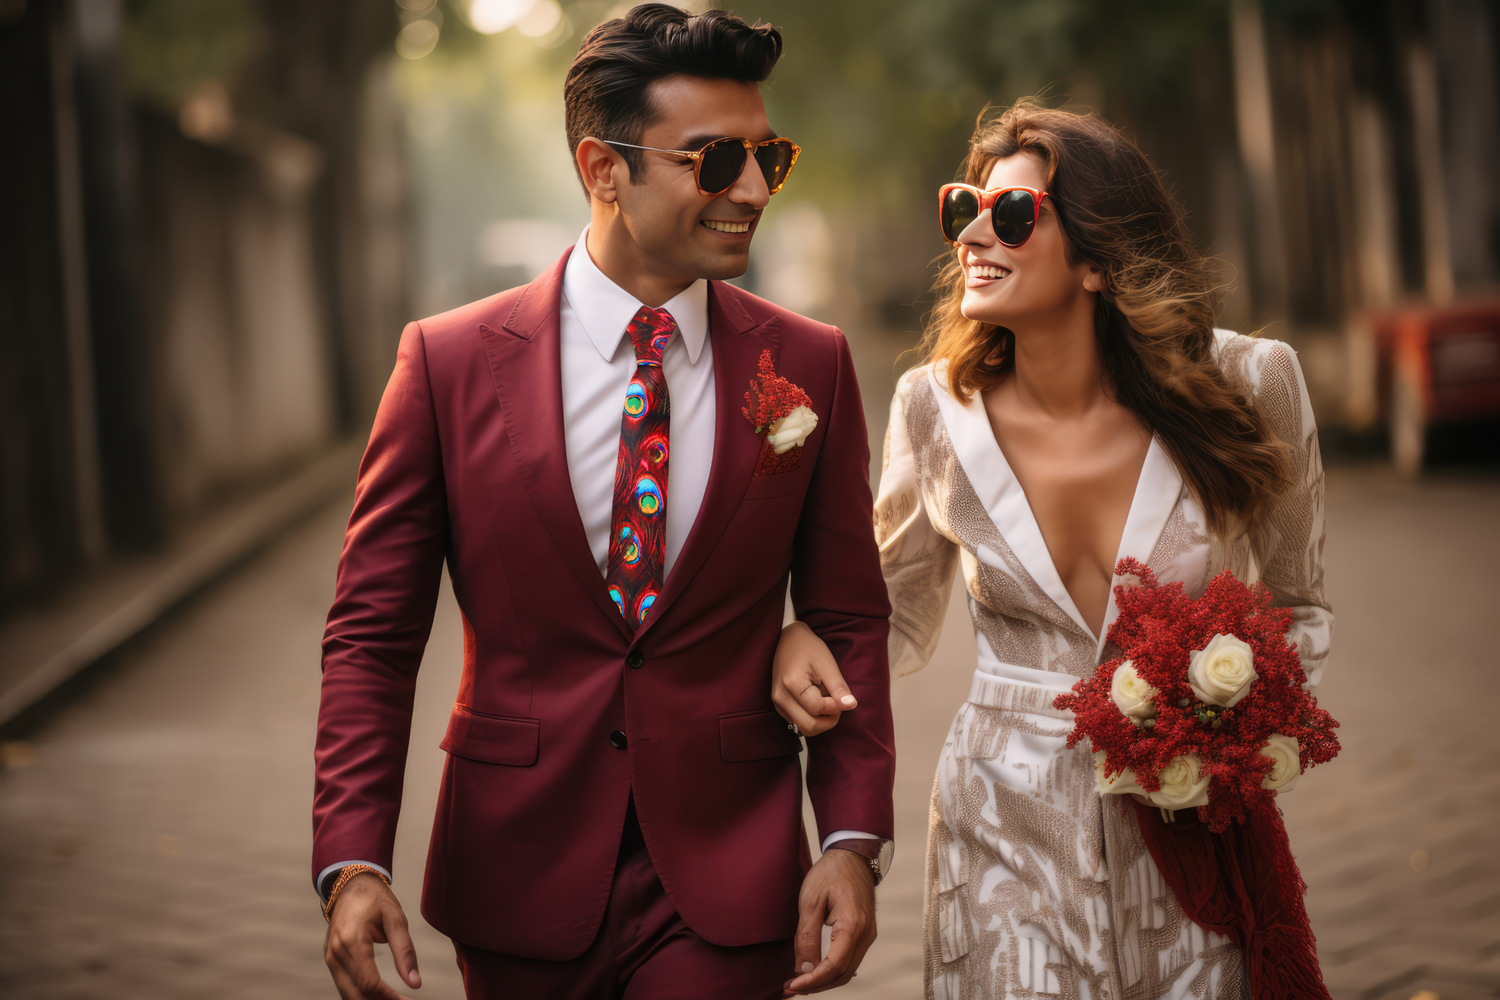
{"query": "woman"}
(1077, 406)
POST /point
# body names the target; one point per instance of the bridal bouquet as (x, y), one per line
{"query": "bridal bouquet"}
(1206, 708)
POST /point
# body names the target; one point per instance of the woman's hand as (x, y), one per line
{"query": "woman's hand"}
(806, 685)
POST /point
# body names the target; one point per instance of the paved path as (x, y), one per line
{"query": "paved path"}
(154, 836)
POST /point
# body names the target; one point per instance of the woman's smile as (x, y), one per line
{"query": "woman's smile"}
(979, 273)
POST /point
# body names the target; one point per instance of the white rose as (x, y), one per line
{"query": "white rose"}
(1221, 673)
(1288, 765)
(1120, 784)
(792, 430)
(1132, 694)
(1181, 786)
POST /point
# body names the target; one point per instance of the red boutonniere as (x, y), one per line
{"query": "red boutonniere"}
(783, 412)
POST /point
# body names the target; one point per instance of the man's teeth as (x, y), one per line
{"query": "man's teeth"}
(727, 227)
(986, 271)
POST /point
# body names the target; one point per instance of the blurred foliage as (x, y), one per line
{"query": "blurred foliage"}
(892, 87)
(881, 94)
(884, 94)
(173, 46)
(1310, 15)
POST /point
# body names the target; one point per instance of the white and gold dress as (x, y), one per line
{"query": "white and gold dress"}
(1036, 885)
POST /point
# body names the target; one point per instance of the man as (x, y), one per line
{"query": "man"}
(620, 810)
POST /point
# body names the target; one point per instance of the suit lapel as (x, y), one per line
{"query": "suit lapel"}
(738, 340)
(525, 359)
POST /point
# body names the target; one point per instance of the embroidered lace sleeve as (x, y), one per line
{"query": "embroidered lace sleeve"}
(917, 560)
(1288, 542)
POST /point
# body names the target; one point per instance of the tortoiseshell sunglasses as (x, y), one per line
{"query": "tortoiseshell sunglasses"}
(719, 164)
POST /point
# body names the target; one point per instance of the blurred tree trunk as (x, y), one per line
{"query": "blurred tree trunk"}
(323, 74)
(49, 501)
(107, 369)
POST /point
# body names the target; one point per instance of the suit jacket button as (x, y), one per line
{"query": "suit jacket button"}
(635, 659)
(617, 740)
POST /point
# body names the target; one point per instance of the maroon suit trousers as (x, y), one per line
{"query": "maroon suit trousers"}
(644, 951)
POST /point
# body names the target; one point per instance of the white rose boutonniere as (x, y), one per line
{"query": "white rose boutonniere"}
(791, 430)
(1222, 672)
(1132, 695)
(1287, 763)
(782, 411)
(1182, 787)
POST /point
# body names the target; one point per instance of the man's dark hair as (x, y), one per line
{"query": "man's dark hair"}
(605, 95)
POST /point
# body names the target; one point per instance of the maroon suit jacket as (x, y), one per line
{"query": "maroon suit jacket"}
(466, 464)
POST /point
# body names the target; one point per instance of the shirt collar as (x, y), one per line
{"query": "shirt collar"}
(604, 309)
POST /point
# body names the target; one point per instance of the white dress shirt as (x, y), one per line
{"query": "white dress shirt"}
(598, 362)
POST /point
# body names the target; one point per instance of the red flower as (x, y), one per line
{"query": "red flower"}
(771, 397)
(1157, 628)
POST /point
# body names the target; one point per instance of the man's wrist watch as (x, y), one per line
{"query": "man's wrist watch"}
(876, 852)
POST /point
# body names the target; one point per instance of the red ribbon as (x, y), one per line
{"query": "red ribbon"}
(1242, 883)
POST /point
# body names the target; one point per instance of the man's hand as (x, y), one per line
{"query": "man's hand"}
(365, 912)
(806, 686)
(840, 892)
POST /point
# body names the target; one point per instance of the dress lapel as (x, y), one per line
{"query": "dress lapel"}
(738, 340)
(1000, 492)
(1156, 496)
(525, 358)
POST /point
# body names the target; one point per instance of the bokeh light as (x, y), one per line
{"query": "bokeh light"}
(490, 17)
(543, 16)
(417, 39)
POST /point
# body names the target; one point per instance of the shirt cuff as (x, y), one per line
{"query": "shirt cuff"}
(838, 835)
(322, 883)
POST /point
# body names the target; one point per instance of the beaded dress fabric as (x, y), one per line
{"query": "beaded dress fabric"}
(638, 521)
(1036, 885)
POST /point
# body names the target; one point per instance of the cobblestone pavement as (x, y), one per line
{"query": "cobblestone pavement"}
(154, 835)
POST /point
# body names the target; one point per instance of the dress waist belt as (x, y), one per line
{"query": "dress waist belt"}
(1018, 689)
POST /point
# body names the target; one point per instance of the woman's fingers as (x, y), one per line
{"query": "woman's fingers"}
(791, 709)
(831, 679)
(807, 687)
(807, 724)
(815, 702)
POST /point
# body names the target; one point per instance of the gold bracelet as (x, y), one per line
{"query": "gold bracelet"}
(345, 874)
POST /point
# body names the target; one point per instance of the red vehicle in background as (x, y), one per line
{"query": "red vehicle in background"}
(1433, 367)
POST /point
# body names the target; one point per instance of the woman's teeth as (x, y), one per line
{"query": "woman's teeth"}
(986, 271)
(727, 227)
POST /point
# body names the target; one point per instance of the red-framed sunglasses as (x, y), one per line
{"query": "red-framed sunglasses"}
(719, 164)
(1014, 211)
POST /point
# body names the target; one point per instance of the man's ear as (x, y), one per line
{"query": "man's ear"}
(602, 169)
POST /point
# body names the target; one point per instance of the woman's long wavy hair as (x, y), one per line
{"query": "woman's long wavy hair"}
(1155, 317)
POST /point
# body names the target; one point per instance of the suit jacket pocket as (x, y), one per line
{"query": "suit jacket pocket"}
(492, 739)
(758, 735)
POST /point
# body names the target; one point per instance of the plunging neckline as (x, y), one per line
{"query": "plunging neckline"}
(1157, 489)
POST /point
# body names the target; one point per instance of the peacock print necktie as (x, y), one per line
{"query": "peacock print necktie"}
(638, 522)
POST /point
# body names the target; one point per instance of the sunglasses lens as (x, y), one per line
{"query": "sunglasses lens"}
(721, 165)
(960, 207)
(1014, 216)
(775, 160)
